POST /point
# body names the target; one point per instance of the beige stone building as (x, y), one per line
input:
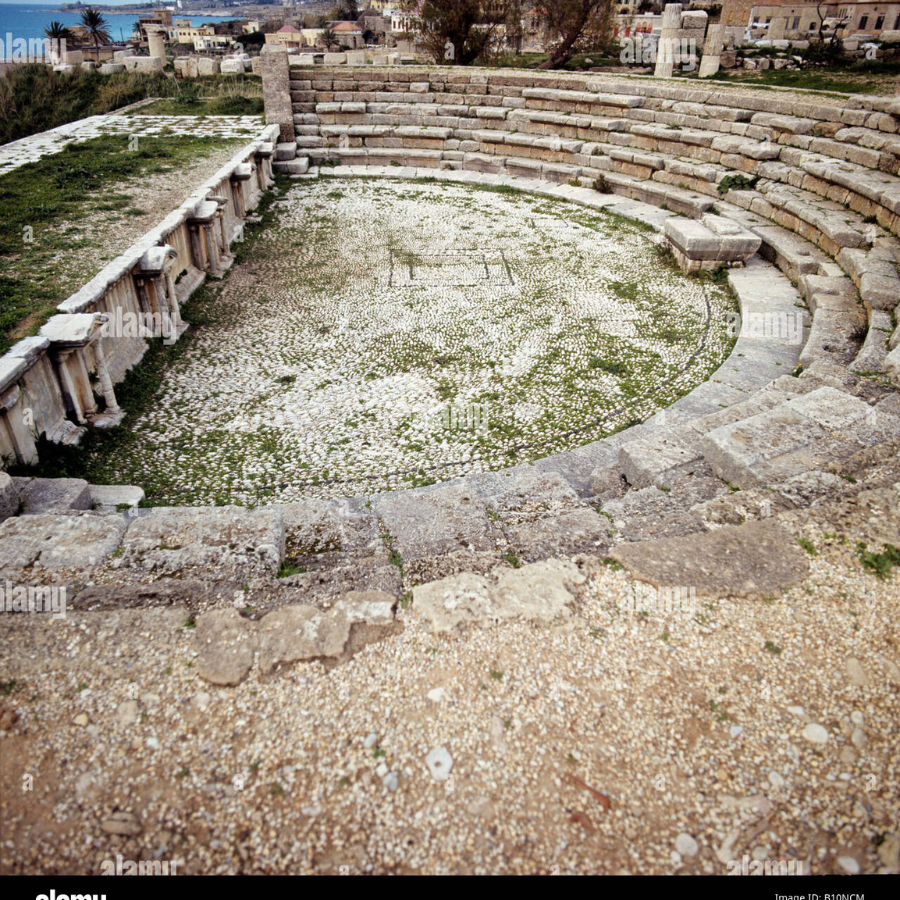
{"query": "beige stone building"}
(797, 20)
(185, 33)
(290, 37)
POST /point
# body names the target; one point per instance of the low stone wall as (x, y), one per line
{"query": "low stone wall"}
(62, 381)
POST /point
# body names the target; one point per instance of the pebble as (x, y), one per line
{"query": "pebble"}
(202, 699)
(81, 719)
(848, 755)
(776, 780)
(856, 673)
(391, 781)
(126, 713)
(686, 845)
(436, 695)
(439, 763)
(849, 864)
(371, 740)
(122, 822)
(815, 734)
(858, 738)
(889, 853)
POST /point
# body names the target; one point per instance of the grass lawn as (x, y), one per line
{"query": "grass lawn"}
(215, 106)
(45, 251)
(871, 78)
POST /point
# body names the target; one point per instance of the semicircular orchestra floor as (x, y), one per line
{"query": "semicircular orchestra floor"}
(384, 334)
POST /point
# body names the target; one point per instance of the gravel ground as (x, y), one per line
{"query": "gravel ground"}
(608, 742)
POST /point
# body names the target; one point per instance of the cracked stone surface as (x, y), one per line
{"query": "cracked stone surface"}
(754, 560)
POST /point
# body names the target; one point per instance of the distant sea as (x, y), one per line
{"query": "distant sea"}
(28, 21)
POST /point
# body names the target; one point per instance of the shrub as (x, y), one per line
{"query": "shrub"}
(602, 185)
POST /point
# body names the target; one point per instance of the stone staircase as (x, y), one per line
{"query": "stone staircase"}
(790, 445)
(814, 178)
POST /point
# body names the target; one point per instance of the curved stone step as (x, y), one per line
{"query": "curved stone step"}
(872, 356)
(800, 435)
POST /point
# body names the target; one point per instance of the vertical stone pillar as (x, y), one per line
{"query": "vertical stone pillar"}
(69, 382)
(668, 41)
(17, 435)
(198, 245)
(264, 165)
(177, 323)
(212, 251)
(237, 194)
(276, 76)
(712, 51)
(79, 370)
(156, 38)
(106, 385)
(144, 294)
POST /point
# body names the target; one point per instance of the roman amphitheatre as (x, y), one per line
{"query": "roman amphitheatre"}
(515, 491)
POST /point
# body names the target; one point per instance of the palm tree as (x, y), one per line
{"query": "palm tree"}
(58, 35)
(95, 28)
(56, 31)
(328, 38)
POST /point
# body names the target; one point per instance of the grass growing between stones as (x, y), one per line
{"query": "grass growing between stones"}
(863, 77)
(386, 335)
(49, 206)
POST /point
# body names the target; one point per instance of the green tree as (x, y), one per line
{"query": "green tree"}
(456, 32)
(347, 11)
(96, 29)
(56, 31)
(575, 24)
(328, 38)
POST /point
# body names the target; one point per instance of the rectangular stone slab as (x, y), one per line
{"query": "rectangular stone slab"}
(211, 542)
(43, 495)
(59, 541)
(753, 560)
(735, 450)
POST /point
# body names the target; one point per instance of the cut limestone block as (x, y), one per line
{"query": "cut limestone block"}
(892, 366)
(871, 357)
(110, 496)
(646, 461)
(285, 151)
(59, 541)
(296, 633)
(209, 542)
(435, 522)
(43, 495)
(9, 496)
(298, 166)
(803, 434)
(226, 643)
(540, 590)
(709, 242)
(753, 560)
